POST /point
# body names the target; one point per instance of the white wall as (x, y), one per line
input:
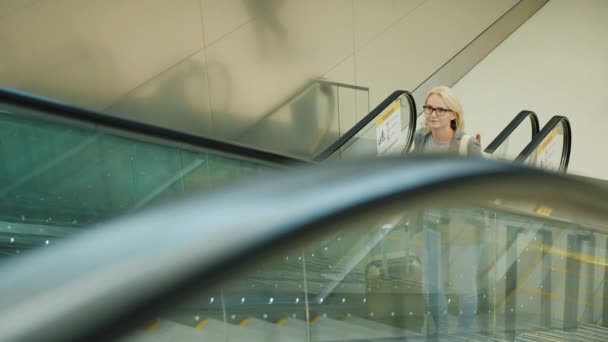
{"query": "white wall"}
(556, 63)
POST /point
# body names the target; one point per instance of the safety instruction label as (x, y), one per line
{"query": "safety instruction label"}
(388, 128)
(548, 155)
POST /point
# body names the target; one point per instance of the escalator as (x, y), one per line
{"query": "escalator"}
(550, 149)
(361, 283)
(285, 268)
(71, 168)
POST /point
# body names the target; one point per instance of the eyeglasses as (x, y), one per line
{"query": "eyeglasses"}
(428, 110)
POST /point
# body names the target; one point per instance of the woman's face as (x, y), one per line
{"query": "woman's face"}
(441, 116)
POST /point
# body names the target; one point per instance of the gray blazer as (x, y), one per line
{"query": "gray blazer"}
(421, 136)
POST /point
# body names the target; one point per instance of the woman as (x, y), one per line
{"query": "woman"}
(444, 124)
(447, 233)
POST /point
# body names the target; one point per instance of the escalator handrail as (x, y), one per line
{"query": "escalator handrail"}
(512, 126)
(47, 106)
(205, 243)
(544, 133)
(369, 118)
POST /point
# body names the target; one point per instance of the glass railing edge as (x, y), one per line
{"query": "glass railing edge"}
(369, 118)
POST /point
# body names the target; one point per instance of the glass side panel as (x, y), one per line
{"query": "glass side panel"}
(58, 178)
(516, 142)
(308, 122)
(440, 272)
(548, 154)
(387, 134)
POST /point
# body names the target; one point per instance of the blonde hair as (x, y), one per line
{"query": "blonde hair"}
(452, 102)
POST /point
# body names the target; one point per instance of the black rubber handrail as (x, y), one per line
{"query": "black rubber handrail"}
(196, 253)
(67, 111)
(544, 133)
(369, 118)
(512, 126)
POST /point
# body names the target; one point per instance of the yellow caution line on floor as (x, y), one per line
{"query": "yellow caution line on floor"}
(566, 271)
(587, 258)
(202, 324)
(153, 326)
(559, 296)
(521, 281)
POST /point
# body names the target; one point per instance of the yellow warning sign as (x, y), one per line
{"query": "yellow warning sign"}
(544, 211)
(387, 114)
(546, 143)
(388, 128)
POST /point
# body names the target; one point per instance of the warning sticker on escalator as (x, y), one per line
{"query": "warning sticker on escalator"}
(548, 154)
(388, 128)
